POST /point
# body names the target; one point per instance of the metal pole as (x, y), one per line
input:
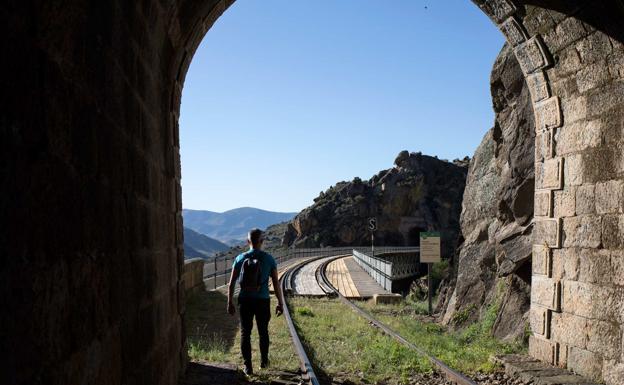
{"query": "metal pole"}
(429, 288)
(373, 243)
(215, 273)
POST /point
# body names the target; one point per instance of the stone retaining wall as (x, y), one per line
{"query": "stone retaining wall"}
(193, 275)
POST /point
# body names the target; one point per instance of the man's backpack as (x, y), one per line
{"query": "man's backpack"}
(251, 272)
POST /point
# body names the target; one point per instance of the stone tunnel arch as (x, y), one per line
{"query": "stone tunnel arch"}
(561, 47)
(90, 149)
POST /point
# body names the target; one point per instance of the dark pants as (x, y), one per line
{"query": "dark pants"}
(261, 309)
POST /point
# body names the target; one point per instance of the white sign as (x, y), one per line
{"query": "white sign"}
(430, 247)
(372, 224)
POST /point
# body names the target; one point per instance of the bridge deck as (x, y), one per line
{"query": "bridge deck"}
(352, 281)
(339, 276)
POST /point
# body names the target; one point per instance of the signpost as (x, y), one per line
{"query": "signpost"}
(372, 226)
(429, 254)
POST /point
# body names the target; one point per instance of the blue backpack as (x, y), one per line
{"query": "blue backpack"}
(251, 272)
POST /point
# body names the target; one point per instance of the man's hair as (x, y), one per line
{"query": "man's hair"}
(255, 236)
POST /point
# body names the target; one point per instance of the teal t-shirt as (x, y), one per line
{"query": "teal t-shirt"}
(268, 264)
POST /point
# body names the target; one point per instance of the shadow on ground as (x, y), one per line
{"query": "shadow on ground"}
(203, 373)
(207, 320)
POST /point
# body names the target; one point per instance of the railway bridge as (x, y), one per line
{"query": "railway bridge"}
(92, 258)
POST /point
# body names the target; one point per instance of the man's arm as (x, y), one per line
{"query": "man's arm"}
(230, 303)
(278, 292)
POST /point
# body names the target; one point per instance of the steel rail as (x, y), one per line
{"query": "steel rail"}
(306, 366)
(451, 374)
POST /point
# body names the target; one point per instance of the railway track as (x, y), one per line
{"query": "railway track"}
(287, 287)
(309, 376)
(451, 374)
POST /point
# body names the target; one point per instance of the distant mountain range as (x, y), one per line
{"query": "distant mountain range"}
(231, 226)
(197, 245)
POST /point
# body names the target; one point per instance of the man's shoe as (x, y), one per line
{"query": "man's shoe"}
(264, 364)
(248, 370)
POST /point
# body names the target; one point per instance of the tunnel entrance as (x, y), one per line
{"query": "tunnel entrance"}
(90, 161)
(413, 236)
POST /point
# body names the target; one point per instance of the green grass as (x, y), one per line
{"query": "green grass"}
(214, 336)
(343, 345)
(468, 350)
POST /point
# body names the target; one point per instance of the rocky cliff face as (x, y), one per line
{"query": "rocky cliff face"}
(494, 264)
(421, 193)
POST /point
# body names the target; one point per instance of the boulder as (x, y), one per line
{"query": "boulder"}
(494, 261)
(421, 193)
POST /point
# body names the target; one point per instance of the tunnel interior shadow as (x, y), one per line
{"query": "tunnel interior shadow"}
(207, 323)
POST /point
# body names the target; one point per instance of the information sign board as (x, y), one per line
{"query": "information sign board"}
(430, 247)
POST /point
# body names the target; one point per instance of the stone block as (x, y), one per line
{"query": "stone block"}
(543, 203)
(612, 372)
(604, 338)
(564, 202)
(538, 86)
(585, 203)
(513, 31)
(578, 136)
(585, 363)
(552, 174)
(542, 349)
(544, 146)
(557, 266)
(387, 298)
(595, 266)
(591, 300)
(573, 170)
(547, 232)
(539, 319)
(540, 260)
(566, 32)
(569, 329)
(616, 66)
(574, 108)
(548, 114)
(592, 76)
(617, 267)
(612, 230)
(569, 63)
(497, 10)
(532, 55)
(566, 264)
(610, 197)
(594, 47)
(605, 101)
(582, 231)
(545, 292)
(561, 355)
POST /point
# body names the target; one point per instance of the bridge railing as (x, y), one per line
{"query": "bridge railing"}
(389, 266)
(217, 271)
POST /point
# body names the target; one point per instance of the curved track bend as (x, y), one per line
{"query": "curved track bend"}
(451, 374)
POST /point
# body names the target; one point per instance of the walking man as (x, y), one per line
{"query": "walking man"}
(253, 270)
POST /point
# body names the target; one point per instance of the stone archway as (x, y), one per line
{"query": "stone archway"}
(91, 202)
(572, 56)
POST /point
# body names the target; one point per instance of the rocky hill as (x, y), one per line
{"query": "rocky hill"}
(421, 193)
(197, 245)
(231, 226)
(494, 264)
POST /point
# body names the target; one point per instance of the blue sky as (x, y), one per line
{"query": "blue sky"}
(284, 98)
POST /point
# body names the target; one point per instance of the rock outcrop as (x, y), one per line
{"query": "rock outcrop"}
(494, 263)
(421, 193)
